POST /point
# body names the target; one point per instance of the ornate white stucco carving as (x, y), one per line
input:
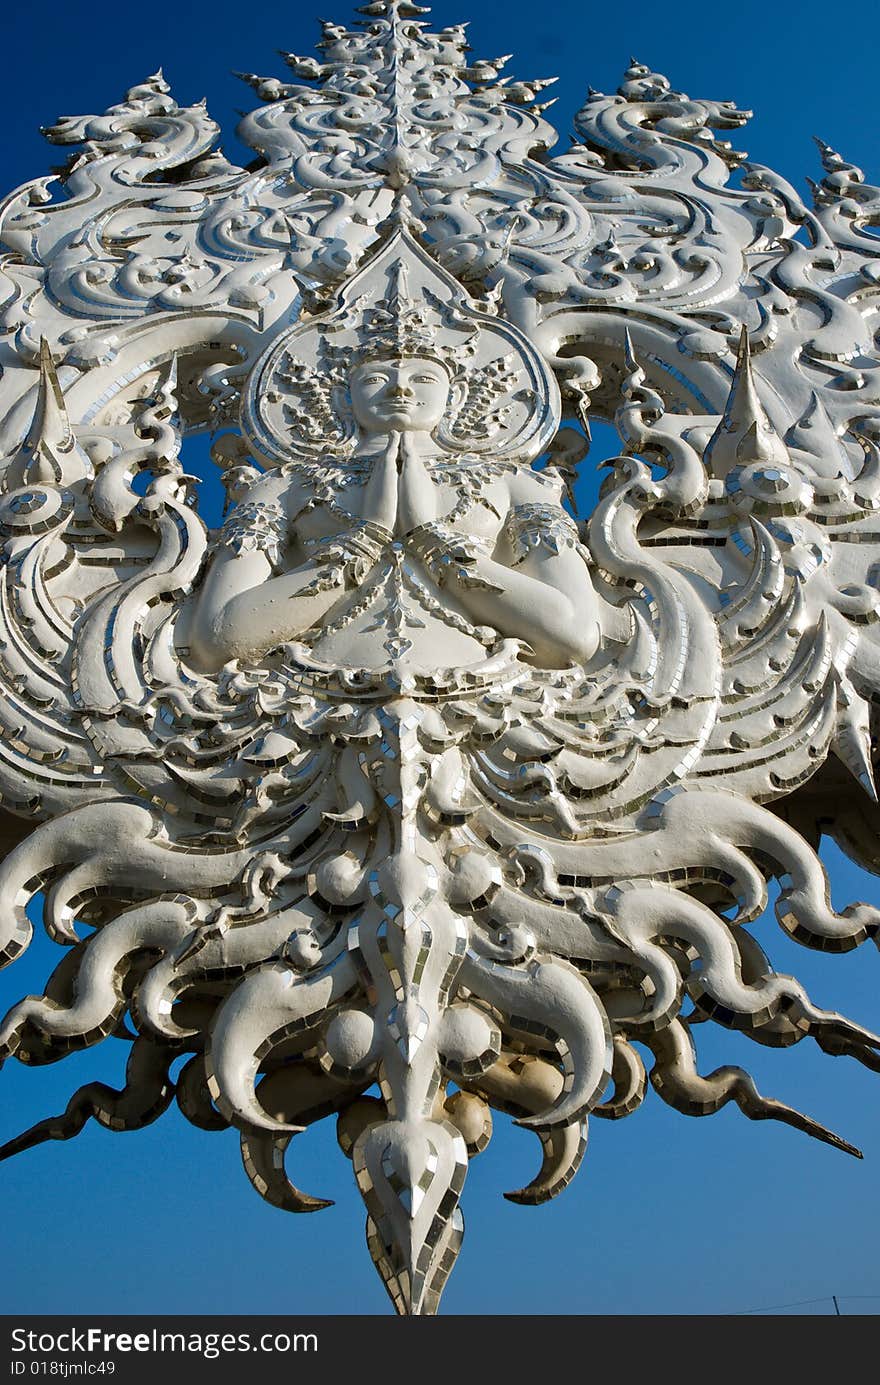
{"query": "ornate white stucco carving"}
(402, 796)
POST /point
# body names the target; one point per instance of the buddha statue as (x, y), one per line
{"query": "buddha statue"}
(398, 547)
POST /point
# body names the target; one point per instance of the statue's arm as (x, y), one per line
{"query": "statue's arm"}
(534, 586)
(244, 611)
(248, 603)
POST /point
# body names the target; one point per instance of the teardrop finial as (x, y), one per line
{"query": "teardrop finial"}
(410, 1174)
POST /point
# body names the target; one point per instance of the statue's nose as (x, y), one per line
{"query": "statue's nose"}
(400, 390)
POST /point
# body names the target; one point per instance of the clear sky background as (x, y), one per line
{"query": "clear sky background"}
(668, 1214)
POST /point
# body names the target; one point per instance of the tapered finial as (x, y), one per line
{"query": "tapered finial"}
(49, 455)
(745, 433)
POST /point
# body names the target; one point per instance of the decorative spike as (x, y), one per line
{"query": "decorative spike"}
(745, 433)
(757, 1107)
(51, 425)
(62, 1127)
(49, 455)
(815, 437)
(852, 743)
(629, 354)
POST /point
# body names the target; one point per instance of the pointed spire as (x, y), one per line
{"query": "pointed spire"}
(629, 354)
(49, 455)
(51, 426)
(745, 433)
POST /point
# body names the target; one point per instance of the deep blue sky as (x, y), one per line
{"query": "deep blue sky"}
(669, 1214)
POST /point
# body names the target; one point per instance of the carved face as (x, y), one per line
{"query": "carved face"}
(404, 395)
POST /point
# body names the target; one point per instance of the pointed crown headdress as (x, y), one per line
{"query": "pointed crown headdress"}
(400, 305)
(401, 327)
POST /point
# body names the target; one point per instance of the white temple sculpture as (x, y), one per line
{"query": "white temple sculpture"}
(403, 796)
